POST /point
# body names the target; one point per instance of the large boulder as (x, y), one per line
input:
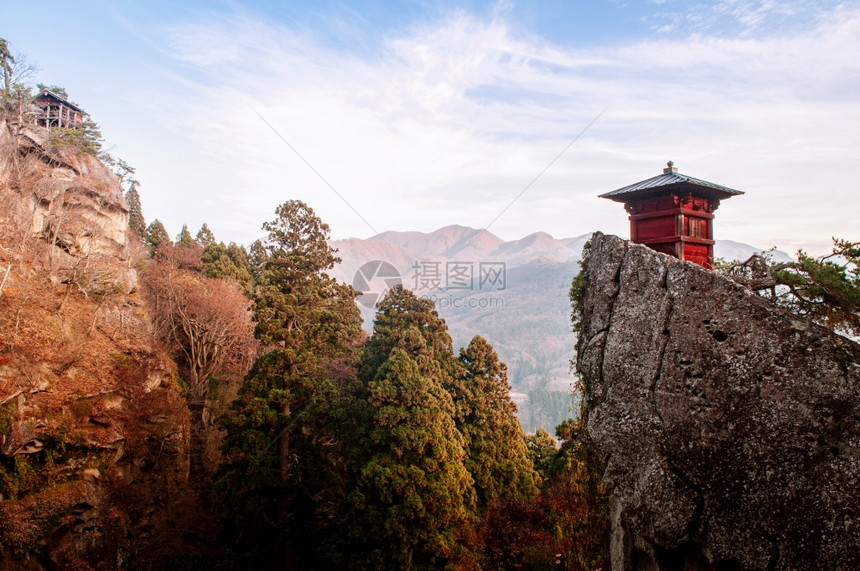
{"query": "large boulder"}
(730, 428)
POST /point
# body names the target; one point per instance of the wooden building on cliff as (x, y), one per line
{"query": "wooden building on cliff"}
(673, 213)
(57, 111)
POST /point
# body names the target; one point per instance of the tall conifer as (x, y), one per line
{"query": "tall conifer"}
(284, 457)
(497, 456)
(136, 222)
(411, 499)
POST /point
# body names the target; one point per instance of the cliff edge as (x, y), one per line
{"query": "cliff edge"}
(730, 428)
(93, 424)
(68, 197)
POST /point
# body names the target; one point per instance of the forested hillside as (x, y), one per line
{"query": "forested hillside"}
(185, 403)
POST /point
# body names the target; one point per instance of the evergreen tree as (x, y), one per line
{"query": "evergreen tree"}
(257, 257)
(542, 450)
(284, 472)
(399, 315)
(497, 456)
(6, 62)
(227, 262)
(298, 303)
(136, 222)
(61, 91)
(824, 289)
(205, 236)
(285, 464)
(91, 132)
(411, 495)
(184, 239)
(157, 237)
(86, 138)
(239, 256)
(123, 172)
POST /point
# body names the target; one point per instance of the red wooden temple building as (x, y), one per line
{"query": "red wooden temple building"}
(674, 213)
(57, 111)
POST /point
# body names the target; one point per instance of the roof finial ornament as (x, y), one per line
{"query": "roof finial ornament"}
(670, 168)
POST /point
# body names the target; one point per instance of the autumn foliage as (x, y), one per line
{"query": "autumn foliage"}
(206, 323)
(337, 449)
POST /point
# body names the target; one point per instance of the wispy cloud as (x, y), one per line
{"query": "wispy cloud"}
(740, 18)
(446, 121)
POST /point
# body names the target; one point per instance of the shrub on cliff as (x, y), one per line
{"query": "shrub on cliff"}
(825, 289)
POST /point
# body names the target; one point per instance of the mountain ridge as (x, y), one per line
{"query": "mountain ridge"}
(455, 242)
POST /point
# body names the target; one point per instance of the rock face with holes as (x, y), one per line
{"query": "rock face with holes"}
(69, 198)
(730, 428)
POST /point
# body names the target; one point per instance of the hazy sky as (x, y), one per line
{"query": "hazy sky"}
(423, 114)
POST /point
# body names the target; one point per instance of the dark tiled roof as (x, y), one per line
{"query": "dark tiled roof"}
(51, 95)
(670, 178)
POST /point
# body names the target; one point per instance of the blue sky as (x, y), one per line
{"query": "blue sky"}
(423, 114)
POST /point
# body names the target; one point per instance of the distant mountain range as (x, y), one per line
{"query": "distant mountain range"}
(459, 243)
(515, 294)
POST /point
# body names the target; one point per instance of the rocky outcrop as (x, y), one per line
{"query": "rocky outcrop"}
(730, 428)
(66, 196)
(94, 429)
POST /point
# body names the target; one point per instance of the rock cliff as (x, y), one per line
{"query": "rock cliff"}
(93, 424)
(68, 197)
(730, 429)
